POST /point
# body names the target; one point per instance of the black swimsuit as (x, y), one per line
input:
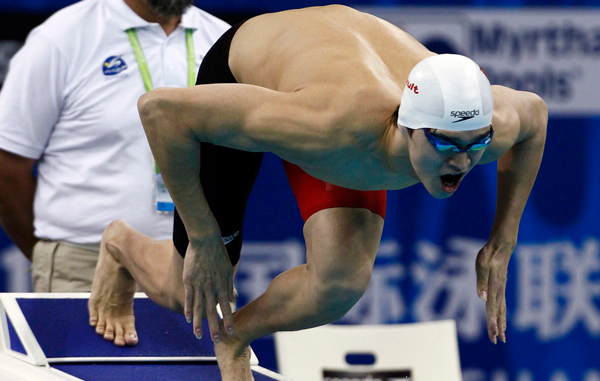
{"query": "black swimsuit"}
(227, 175)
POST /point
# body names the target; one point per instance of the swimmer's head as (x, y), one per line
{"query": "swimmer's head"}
(447, 108)
(441, 159)
(446, 92)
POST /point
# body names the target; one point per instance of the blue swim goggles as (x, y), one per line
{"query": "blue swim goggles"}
(444, 145)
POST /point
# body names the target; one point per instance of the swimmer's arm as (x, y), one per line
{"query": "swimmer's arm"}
(177, 154)
(257, 119)
(207, 272)
(517, 170)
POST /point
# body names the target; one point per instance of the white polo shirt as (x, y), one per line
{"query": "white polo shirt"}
(70, 99)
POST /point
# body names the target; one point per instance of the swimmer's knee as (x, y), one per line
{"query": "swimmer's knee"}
(115, 236)
(116, 226)
(114, 231)
(352, 276)
(118, 231)
(349, 285)
(340, 289)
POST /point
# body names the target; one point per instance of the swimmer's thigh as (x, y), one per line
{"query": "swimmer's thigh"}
(342, 226)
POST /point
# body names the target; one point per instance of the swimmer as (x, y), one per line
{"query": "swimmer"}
(354, 106)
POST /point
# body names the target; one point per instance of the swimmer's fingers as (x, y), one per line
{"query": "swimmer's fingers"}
(193, 290)
(213, 317)
(220, 295)
(227, 313)
(206, 274)
(502, 319)
(198, 312)
(188, 308)
(491, 267)
(492, 307)
(482, 269)
(193, 303)
(231, 292)
(500, 310)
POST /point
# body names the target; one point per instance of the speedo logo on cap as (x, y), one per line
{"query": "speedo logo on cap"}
(464, 115)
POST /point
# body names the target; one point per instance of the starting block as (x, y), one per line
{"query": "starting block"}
(47, 337)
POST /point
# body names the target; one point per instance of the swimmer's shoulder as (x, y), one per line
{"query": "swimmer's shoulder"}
(517, 116)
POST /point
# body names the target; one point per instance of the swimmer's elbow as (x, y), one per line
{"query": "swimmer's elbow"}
(539, 112)
(156, 112)
(542, 111)
(151, 106)
(144, 105)
(534, 119)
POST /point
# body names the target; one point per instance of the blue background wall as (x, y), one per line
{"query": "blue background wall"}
(425, 269)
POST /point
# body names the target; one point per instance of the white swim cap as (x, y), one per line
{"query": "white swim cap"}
(446, 92)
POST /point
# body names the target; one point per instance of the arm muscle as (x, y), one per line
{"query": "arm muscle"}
(518, 168)
(252, 118)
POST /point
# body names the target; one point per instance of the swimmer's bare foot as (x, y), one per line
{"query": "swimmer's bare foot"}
(233, 360)
(111, 302)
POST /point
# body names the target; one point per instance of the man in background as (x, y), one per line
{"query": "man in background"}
(69, 105)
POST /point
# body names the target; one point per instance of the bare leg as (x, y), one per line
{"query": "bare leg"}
(125, 255)
(341, 248)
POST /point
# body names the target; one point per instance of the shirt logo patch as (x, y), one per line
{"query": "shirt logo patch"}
(113, 65)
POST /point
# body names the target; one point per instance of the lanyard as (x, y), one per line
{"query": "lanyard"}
(164, 202)
(141, 59)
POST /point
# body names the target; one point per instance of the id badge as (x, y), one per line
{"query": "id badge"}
(164, 202)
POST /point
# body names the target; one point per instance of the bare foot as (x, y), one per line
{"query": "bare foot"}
(111, 302)
(233, 360)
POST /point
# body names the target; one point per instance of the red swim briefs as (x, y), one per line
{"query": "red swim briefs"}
(314, 195)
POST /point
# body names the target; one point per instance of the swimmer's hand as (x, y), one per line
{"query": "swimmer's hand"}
(208, 280)
(492, 268)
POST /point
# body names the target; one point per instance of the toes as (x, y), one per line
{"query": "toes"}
(131, 337)
(116, 333)
(100, 328)
(109, 333)
(93, 317)
(119, 340)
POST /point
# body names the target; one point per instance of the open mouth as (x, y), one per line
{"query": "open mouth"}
(451, 182)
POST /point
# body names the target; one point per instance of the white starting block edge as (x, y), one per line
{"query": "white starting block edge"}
(11, 362)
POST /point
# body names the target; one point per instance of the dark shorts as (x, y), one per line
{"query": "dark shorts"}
(227, 175)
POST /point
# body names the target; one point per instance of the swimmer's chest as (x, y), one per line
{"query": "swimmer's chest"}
(360, 172)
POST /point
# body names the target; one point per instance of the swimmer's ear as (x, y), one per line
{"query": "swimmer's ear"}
(393, 120)
(406, 130)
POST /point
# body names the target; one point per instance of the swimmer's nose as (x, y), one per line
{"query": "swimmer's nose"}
(460, 162)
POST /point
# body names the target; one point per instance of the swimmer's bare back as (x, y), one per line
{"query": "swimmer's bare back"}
(333, 44)
(351, 62)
